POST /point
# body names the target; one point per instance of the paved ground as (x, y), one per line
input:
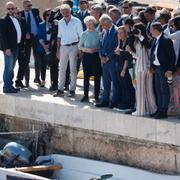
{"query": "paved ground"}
(35, 92)
(43, 94)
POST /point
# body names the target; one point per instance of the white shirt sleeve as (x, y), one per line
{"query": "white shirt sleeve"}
(79, 28)
(59, 30)
(175, 36)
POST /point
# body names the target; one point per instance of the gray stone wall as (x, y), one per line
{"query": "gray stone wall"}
(158, 157)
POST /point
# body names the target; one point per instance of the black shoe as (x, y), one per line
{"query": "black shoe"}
(59, 93)
(71, 94)
(37, 81)
(85, 99)
(26, 84)
(16, 89)
(19, 84)
(154, 114)
(10, 91)
(97, 100)
(66, 88)
(53, 88)
(112, 105)
(161, 116)
(102, 104)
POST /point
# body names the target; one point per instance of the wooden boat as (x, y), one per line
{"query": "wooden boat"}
(12, 174)
(75, 168)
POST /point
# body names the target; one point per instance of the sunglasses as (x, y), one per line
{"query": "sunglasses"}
(29, 5)
(83, 2)
(10, 8)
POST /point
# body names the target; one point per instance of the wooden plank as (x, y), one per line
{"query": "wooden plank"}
(39, 168)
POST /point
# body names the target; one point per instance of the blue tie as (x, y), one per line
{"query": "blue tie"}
(106, 35)
(28, 22)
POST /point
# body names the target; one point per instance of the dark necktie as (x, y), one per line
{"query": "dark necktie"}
(107, 34)
(154, 47)
(28, 22)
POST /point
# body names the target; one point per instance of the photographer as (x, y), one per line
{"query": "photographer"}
(54, 61)
(145, 101)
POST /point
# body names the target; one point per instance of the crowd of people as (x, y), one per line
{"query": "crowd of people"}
(133, 54)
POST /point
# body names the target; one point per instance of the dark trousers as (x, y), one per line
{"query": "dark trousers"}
(32, 43)
(92, 66)
(42, 58)
(110, 76)
(162, 90)
(53, 64)
(128, 91)
(23, 63)
(126, 88)
(79, 60)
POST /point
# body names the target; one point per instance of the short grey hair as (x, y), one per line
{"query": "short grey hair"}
(98, 9)
(26, 1)
(90, 18)
(105, 18)
(65, 6)
(10, 3)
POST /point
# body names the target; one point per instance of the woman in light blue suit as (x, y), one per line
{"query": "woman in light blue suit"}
(44, 45)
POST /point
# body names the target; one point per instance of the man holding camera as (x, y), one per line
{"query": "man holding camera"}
(162, 62)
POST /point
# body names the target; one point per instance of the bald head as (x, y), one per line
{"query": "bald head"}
(10, 8)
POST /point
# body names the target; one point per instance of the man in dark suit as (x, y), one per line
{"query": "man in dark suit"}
(108, 58)
(11, 38)
(83, 12)
(162, 61)
(1, 34)
(22, 61)
(115, 15)
(127, 8)
(32, 18)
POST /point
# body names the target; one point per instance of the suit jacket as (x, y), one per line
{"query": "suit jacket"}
(9, 35)
(165, 54)
(178, 61)
(81, 18)
(1, 33)
(23, 28)
(42, 34)
(109, 44)
(36, 15)
(120, 22)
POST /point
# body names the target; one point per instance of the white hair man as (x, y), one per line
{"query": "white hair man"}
(69, 33)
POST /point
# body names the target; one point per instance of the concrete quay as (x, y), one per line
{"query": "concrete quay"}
(83, 130)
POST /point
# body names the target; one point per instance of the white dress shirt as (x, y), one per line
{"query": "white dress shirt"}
(156, 61)
(18, 28)
(175, 37)
(70, 32)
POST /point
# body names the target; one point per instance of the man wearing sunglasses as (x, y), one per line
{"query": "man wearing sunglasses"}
(32, 17)
(127, 8)
(11, 34)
